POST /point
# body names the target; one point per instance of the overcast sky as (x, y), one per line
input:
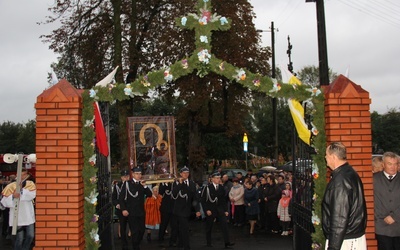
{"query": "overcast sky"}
(362, 38)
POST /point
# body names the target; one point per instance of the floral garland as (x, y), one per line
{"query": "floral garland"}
(203, 61)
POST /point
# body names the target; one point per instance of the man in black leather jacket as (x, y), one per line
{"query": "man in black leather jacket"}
(344, 212)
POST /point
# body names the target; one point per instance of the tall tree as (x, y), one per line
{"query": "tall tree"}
(385, 131)
(310, 75)
(91, 43)
(17, 137)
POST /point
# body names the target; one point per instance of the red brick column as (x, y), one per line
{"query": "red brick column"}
(59, 201)
(348, 120)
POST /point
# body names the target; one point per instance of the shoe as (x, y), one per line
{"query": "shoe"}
(283, 233)
(229, 245)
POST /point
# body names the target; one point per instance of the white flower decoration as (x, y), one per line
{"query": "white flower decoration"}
(276, 87)
(94, 235)
(314, 91)
(92, 198)
(223, 20)
(184, 20)
(167, 76)
(89, 123)
(204, 56)
(315, 220)
(203, 39)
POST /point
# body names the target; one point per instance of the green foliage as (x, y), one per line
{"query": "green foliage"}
(385, 131)
(309, 75)
(214, 103)
(17, 137)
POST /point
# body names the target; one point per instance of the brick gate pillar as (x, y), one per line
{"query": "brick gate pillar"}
(59, 201)
(348, 120)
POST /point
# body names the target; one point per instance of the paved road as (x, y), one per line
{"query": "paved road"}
(240, 236)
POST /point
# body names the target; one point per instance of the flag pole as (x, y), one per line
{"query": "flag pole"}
(18, 189)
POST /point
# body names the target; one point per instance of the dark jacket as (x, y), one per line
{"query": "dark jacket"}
(115, 197)
(251, 197)
(132, 198)
(185, 197)
(386, 202)
(214, 200)
(273, 194)
(167, 203)
(344, 212)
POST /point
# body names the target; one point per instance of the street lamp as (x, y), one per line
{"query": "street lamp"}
(274, 100)
(245, 146)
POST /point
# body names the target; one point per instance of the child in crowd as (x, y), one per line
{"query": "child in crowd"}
(152, 208)
(283, 212)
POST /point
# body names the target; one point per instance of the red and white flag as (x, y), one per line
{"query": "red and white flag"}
(101, 137)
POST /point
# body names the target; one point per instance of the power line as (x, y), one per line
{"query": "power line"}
(287, 16)
(370, 12)
(377, 7)
(394, 4)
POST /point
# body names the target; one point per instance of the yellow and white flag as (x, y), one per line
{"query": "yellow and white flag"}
(297, 112)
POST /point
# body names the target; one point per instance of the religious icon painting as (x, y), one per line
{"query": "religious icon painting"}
(152, 147)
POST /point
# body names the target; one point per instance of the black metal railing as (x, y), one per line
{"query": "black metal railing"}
(104, 206)
(303, 190)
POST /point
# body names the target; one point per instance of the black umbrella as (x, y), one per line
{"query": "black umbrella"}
(288, 167)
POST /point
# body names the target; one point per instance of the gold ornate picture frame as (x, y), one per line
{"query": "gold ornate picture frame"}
(152, 147)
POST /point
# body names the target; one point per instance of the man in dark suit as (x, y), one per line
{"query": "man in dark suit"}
(214, 203)
(123, 220)
(185, 196)
(387, 203)
(167, 204)
(131, 201)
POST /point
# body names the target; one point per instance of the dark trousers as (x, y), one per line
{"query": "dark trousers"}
(224, 226)
(387, 243)
(272, 221)
(174, 230)
(183, 231)
(136, 224)
(285, 225)
(123, 223)
(262, 215)
(239, 215)
(165, 218)
(5, 226)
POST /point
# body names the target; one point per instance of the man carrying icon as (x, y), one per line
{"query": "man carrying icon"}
(185, 196)
(26, 212)
(131, 201)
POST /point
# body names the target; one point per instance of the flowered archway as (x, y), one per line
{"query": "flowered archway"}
(204, 22)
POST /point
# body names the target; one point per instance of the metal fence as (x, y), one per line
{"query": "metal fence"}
(104, 205)
(303, 187)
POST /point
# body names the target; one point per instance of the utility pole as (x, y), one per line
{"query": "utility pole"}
(322, 47)
(274, 100)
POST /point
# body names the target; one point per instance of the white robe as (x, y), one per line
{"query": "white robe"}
(26, 213)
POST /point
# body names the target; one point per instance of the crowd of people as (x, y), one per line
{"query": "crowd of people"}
(260, 202)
